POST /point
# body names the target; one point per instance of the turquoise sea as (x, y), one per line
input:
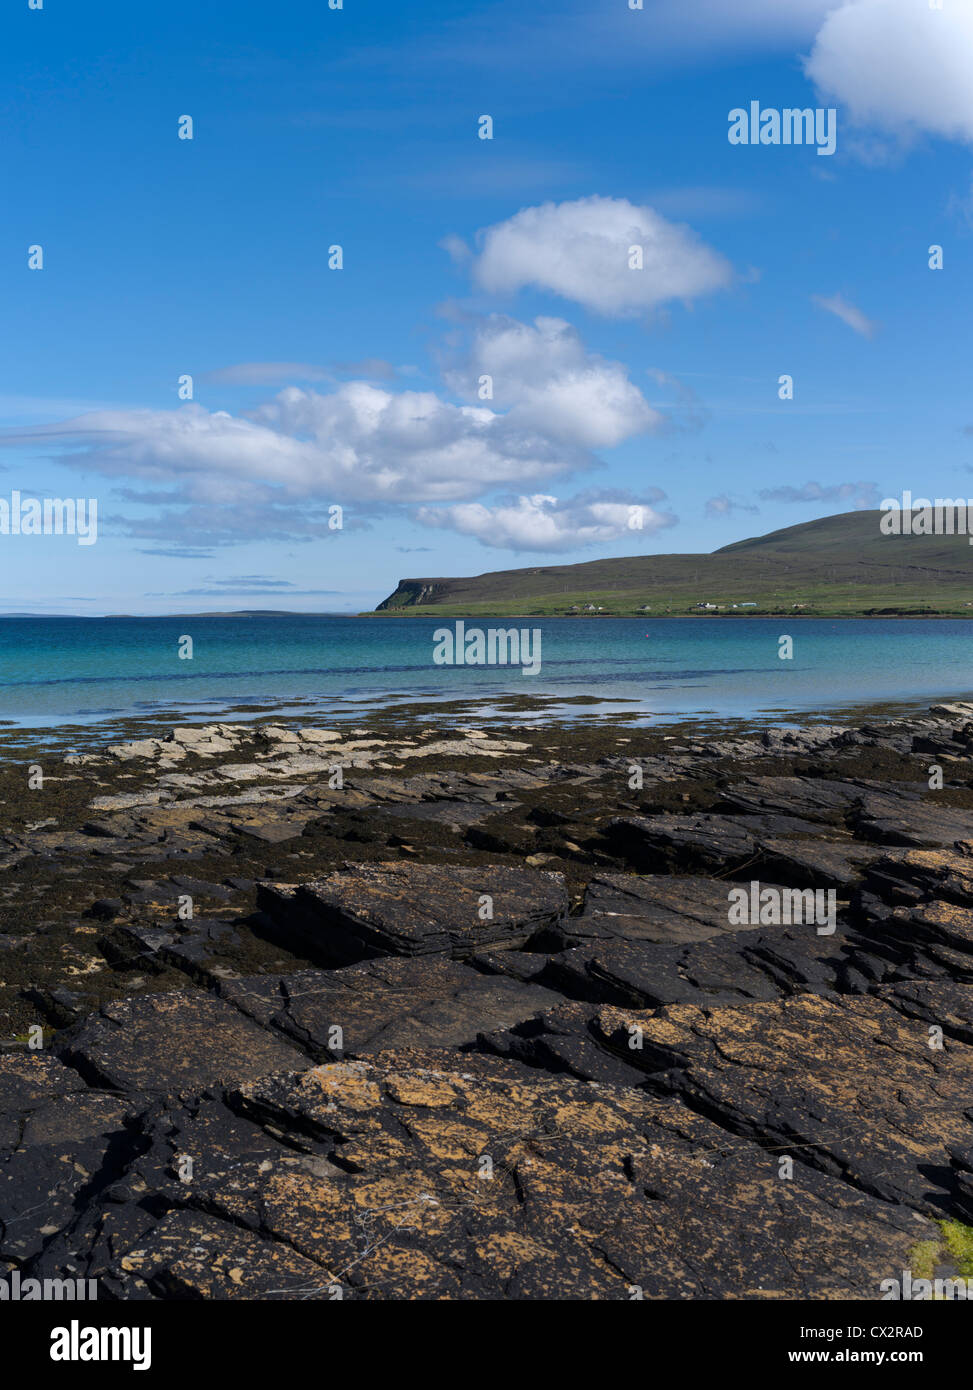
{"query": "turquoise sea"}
(101, 670)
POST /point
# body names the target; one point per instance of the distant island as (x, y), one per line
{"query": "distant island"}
(214, 613)
(838, 566)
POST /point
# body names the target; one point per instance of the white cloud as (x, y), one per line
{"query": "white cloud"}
(550, 524)
(899, 65)
(359, 443)
(580, 251)
(548, 383)
(848, 313)
(363, 443)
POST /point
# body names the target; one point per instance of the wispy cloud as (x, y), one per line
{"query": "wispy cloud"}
(266, 373)
(178, 552)
(705, 200)
(685, 411)
(373, 368)
(848, 313)
(586, 39)
(222, 590)
(862, 495)
(274, 373)
(724, 505)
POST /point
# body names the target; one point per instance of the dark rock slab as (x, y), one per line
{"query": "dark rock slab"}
(417, 909)
(811, 798)
(817, 863)
(682, 843)
(933, 938)
(424, 1001)
(64, 1147)
(945, 1004)
(564, 1040)
(192, 1255)
(595, 1192)
(753, 963)
(525, 966)
(896, 820)
(648, 976)
(28, 1079)
(924, 875)
(56, 1136)
(954, 742)
(177, 1149)
(653, 908)
(161, 1043)
(848, 1084)
(196, 951)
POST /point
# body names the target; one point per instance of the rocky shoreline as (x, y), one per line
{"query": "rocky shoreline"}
(455, 1014)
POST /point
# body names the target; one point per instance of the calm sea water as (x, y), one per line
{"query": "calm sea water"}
(80, 670)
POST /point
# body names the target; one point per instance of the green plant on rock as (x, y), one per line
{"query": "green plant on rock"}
(958, 1239)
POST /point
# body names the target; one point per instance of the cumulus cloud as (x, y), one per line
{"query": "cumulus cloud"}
(359, 443)
(363, 443)
(551, 524)
(547, 382)
(899, 65)
(862, 495)
(580, 251)
(848, 313)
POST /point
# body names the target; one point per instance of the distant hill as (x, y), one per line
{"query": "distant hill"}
(839, 565)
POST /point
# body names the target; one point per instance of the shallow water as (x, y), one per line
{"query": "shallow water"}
(94, 670)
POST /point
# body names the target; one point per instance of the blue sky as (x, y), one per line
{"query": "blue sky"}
(613, 388)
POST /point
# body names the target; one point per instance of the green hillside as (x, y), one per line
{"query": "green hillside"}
(839, 565)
